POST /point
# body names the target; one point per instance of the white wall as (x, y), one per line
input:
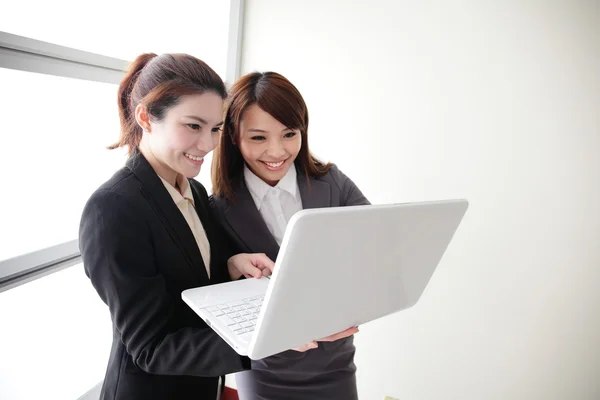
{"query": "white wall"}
(498, 102)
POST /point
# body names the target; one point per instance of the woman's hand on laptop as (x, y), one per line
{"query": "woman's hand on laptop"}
(332, 338)
(255, 265)
(340, 335)
(306, 347)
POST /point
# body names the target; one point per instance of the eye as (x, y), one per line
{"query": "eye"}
(217, 129)
(195, 127)
(257, 138)
(289, 135)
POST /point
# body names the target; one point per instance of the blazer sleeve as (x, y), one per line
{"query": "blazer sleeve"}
(350, 193)
(117, 253)
(228, 247)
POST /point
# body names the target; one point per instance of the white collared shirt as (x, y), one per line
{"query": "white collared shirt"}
(185, 204)
(276, 204)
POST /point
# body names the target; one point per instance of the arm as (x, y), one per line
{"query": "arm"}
(239, 265)
(226, 245)
(229, 252)
(117, 253)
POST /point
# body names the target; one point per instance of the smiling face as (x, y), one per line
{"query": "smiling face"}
(268, 147)
(178, 143)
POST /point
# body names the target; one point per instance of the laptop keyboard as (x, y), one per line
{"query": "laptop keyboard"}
(239, 316)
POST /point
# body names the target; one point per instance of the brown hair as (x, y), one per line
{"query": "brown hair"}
(276, 95)
(159, 82)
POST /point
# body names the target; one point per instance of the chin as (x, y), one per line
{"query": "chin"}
(190, 172)
(275, 176)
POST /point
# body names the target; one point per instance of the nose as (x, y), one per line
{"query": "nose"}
(276, 149)
(205, 142)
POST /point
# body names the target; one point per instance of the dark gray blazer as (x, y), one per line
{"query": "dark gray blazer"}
(140, 254)
(327, 372)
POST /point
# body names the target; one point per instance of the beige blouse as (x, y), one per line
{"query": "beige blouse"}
(185, 203)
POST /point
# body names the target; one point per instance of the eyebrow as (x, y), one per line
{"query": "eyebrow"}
(263, 131)
(202, 121)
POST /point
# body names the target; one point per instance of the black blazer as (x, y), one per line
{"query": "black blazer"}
(244, 227)
(140, 254)
(328, 373)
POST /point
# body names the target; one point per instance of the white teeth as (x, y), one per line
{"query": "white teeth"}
(191, 157)
(274, 165)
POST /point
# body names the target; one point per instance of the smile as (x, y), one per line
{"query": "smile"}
(273, 164)
(193, 158)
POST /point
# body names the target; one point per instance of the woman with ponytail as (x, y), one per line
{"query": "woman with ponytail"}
(147, 234)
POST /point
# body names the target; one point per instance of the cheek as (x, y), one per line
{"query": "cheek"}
(295, 147)
(161, 141)
(253, 151)
(165, 136)
(181, 140)
(246, 151)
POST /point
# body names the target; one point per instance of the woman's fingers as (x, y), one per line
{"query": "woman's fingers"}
(340, 335)
(306, 347)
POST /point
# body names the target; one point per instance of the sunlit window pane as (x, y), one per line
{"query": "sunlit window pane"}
(124, 29)
(55, 131)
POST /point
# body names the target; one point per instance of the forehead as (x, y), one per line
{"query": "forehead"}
(207, 106)
(256, 118)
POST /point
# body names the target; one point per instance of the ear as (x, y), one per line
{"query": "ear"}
(142, 117)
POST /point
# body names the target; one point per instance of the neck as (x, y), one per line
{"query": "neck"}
(160, 168)
(270, 183)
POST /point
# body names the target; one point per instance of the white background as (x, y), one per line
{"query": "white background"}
(498, 102)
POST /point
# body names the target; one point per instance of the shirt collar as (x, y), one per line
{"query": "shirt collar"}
(259, 188)
(184, 186)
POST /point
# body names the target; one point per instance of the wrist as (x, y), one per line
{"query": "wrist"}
(234, 273)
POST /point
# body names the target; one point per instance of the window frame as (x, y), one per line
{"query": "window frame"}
(31, 55)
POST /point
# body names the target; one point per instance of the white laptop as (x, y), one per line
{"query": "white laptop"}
(337, 268)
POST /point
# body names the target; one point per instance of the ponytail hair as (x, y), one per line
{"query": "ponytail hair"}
(131, 132)
(159, 82)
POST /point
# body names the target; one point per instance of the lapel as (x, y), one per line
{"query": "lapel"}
(245, 220)
(204, 215)
(165, 208)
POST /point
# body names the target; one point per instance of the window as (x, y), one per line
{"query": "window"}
(53, 155)
(123, 29)
(58, 119)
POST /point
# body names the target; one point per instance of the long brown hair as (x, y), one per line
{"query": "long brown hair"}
(276, 95)
(159, 82)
